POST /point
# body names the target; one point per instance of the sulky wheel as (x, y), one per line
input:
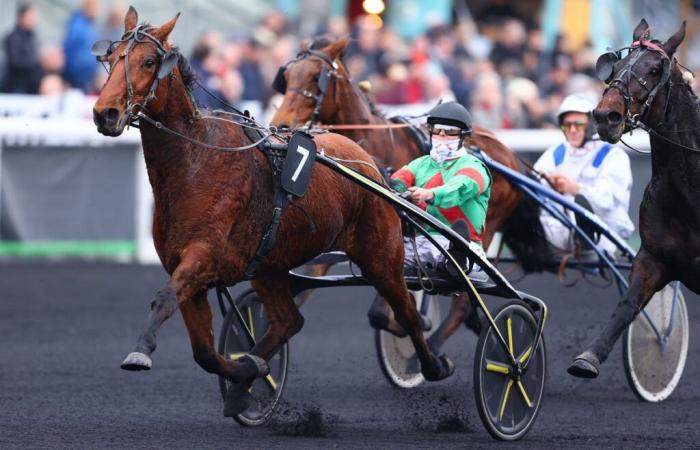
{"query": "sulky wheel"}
(397, 356)
(508, 398)
(234, 342)
(655, 345)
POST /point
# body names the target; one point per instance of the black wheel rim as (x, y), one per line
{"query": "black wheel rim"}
(510, 402)
(235, 343)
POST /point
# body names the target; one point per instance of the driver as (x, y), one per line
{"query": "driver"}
(595, 174)
(451, 184)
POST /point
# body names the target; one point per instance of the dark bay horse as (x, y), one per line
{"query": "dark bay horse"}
(318, 90)
(647, 89)
(212, 208)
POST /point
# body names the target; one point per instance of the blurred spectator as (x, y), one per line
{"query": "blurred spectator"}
(364, 50)
(510, 46)
(81, 66)
(113, 28)
(254, 87)
(52, 59)
(487, 102)
(523, 105)
(207, 64)
(497, 10)
(51, 85)
(437, 89)
(232, 87)
(23, 67)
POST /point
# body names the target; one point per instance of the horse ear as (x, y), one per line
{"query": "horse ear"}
(131, 19)
(336, 49)
(164, 31)
(305, 44)
(674, 41)
(639, 31)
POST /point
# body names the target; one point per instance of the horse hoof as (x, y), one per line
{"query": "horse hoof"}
(445, 368)
(137, 361)
(238, 399)
(584, 366)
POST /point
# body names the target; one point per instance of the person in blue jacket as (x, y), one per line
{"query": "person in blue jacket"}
(81, 66)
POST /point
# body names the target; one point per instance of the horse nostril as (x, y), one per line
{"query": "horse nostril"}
(111, 116)
(614, 118)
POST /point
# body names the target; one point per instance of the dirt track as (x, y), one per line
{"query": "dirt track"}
(66, 327)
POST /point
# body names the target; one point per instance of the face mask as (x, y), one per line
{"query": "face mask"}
(445, 150)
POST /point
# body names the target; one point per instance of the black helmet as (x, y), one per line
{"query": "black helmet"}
(451, 113)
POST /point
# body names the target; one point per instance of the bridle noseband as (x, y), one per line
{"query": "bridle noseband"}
(329, 72)
(168, 59)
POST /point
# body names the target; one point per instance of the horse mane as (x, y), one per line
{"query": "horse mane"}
(189, 77)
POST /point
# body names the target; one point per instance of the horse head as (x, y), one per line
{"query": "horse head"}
(638, 85)
(310, 83)
(138, 62)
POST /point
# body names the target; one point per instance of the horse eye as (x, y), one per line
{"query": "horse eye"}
(654, 71)
(149, 63)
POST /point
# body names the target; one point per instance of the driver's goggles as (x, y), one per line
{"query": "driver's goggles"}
(449, 130)
(578, 125)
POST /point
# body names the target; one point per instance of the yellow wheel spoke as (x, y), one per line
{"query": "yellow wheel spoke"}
(497, 367)
(525, 355)
(505, 399)
(271, 382)
(524, 394)
(250, 321)
(509, 324)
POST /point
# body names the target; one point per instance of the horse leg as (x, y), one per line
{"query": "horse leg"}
(647, 277)
(461, 311)
(283, 317)
(283, 321)
(162, 307)
(387, 278)
(381, 317)
(317, 270)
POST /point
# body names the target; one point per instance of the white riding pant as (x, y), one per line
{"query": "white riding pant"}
(561, 237)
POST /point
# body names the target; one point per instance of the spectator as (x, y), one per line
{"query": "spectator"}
(23, 67)
(52, 59)
(487, 102)
(251, 73)
(81, 66)
(113, 28)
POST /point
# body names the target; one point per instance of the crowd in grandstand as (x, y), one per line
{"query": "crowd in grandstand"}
(494, 63)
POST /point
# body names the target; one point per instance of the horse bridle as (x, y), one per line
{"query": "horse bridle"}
(329, 72)
(168, 59)
(604, 69)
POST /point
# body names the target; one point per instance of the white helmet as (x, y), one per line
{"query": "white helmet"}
(575, 103)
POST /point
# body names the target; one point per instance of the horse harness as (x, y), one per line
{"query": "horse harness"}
(329, 70)
(605, 71)
(169, 58)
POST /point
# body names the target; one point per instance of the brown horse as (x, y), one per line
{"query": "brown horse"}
(318, 90)
(212, 208)
(647, 89)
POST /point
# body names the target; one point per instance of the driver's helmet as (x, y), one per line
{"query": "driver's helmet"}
(575, 103)
(453, 114)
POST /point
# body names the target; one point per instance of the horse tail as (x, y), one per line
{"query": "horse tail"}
(524, 235)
